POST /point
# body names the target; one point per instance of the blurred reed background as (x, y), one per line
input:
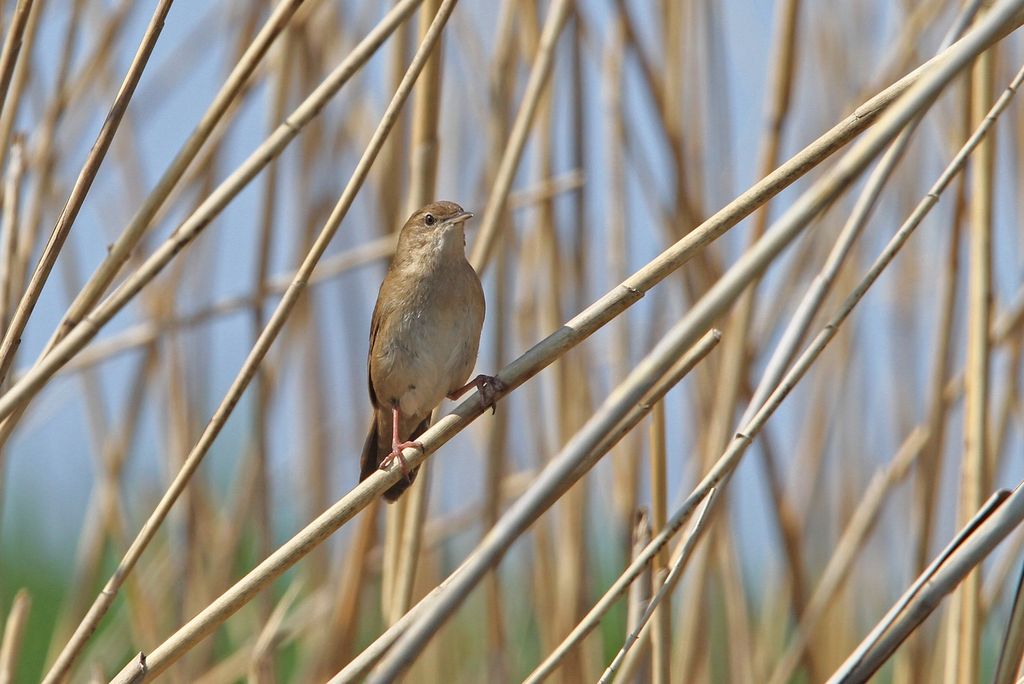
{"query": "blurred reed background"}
(198, 203)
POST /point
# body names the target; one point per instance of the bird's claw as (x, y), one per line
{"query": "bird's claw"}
(489, 386)
(396, 453)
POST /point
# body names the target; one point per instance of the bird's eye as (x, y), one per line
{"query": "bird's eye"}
(429, 219)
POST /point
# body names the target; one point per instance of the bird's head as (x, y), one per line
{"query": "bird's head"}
(436, 229)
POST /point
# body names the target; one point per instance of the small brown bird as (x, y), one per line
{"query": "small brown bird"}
(424, 337)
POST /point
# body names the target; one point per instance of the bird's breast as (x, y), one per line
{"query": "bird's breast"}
(428, 345)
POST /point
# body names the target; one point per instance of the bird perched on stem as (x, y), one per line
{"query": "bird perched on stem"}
(424, 337)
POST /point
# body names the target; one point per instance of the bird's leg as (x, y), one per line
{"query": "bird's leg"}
(486, 385)
(397, 446)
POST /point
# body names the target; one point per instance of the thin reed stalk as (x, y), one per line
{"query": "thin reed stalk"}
(995, 519)
(14, 635)
(411, 511)
(974, 478)
(12, 335)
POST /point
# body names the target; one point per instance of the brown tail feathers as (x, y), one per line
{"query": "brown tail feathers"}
(376, 450)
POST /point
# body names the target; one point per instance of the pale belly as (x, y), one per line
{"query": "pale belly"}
(425, 355)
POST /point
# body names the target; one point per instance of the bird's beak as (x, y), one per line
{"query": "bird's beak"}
(460, 218)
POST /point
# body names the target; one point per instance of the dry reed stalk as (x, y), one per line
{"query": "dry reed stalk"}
(541, 588)
(315, 490)
(105, 519)
(737, 611)
(15, 90)
(997, 582)
(954, 167)
(261, 662)
(560, 545)
(74, 85)
(788, 521)
(12, 46)
(500, 128)
(571, 391)
(496, 465)
(341, 628)
(392, 539)
(999, 432)
(230, 668)
(733, 367)
(927, 481)
(558, 12)
(193, 567)
(12, 335)
(1008, 666)
(796, 329)
(120, 250)
(966, 632)
(426, 113)
(777, 107)
(441, 529)
(391, 199)
(734, 363)
(307, 614)
(578, 159)
(624, 463)
(1004, 327)
(661, 629)
(671, 129)
(957, 163)
(846, 552)
(999, 516)
(905, 49)
(260, 493)
(40, 155)
(227, 534)
(678, 519)
(187, 54)
(188, 575)
(105, 500)
(668, 579)
(638, 599)
(411, 516)
(14, 633)
(9, 239)
(411, 511)
(810, 304)
(109, 449)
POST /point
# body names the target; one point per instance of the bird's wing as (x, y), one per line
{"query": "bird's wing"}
(374, 329)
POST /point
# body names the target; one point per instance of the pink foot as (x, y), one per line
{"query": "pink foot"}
(396, 453)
